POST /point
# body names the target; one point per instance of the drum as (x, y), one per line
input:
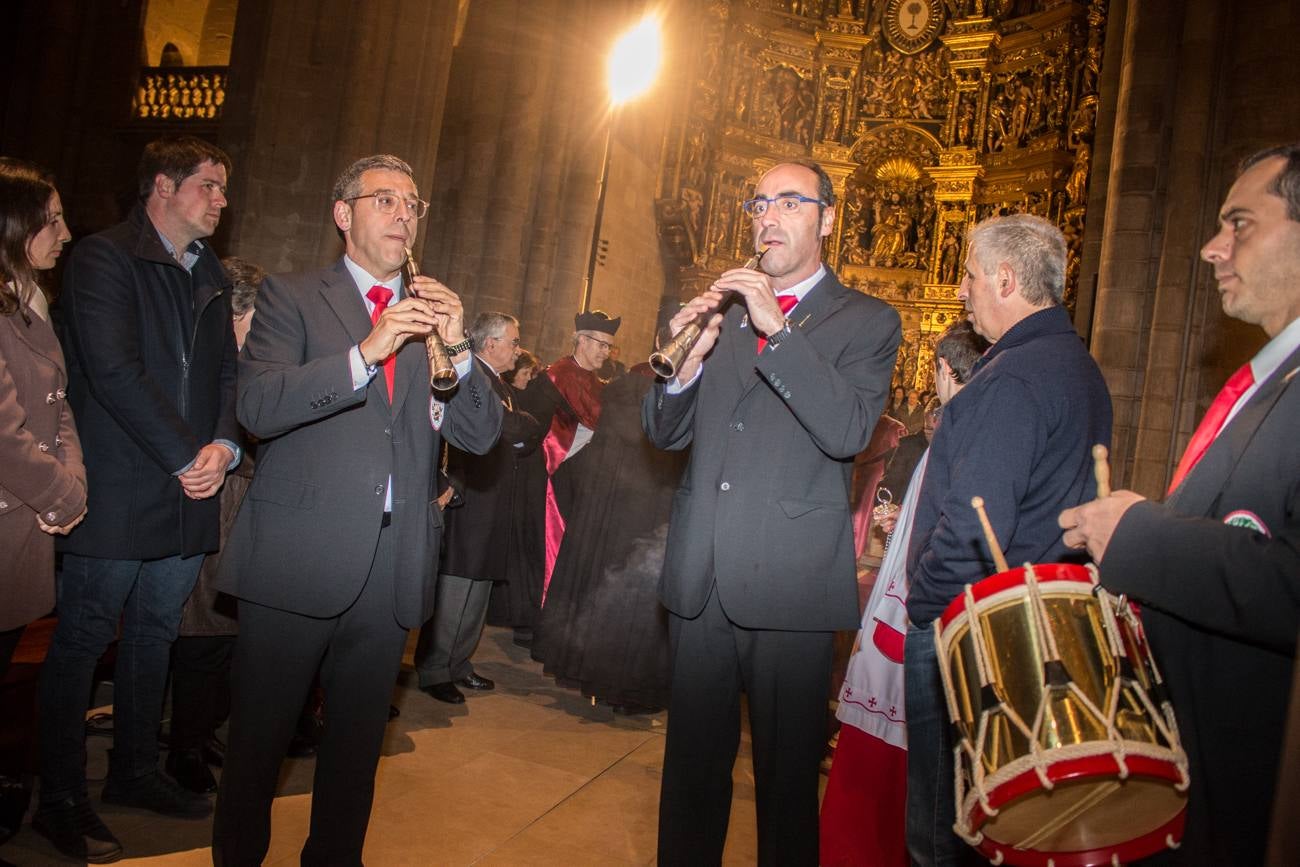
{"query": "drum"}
(1068, 752)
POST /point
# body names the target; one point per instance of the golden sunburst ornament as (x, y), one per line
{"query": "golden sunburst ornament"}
(897, 169)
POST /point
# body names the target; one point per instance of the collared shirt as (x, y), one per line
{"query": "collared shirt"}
(361, 373)
(1266, 362)
(187, 261)
(189, 258)
(799, 290)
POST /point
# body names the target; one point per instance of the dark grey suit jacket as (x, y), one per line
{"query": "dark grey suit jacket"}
(1222, 609)
(307, 531)
(764, 502)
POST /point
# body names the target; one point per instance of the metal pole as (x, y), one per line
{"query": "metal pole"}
(600, 214)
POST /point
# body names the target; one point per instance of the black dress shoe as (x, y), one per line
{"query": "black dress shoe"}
(15, 796)
(188, 768)
(445, 692)
(158, 794)
(476, 681)
(76, 830)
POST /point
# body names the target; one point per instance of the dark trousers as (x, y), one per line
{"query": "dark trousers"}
(93, 596)
(200, 688)
(9, 639)
(786, 676)
(277, 654)
(931, 771)
(448, 640)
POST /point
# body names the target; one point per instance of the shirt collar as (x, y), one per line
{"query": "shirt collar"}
(191, 255)
(801, 289)
(1279, 349)
(364, 280)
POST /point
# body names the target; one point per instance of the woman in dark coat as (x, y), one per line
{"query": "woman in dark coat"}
(42, 479)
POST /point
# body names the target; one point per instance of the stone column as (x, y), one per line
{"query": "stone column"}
(315, 85)
(1189, 108)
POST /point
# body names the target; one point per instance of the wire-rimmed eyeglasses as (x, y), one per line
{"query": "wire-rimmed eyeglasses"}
(386, 203)
(786, 203)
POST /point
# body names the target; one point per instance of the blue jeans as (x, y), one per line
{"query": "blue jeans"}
(93, 595)
(931, 811)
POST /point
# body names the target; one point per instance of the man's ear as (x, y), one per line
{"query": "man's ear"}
(828, 221)
(164, 186)
(343, 215)
(1006, 279)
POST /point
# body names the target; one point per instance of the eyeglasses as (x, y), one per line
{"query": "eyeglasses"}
(514, 342)
(604, 343)
(386, 203)
(785, 204)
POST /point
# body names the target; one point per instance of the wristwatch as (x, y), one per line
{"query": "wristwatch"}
(457, 348)
(774, 339)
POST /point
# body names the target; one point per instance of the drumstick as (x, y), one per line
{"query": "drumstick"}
(1101, 469)
(998, 559)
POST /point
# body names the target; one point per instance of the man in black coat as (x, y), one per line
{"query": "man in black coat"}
(478, 528)
(151, 358)
(335, 549)
(1019, 435)
(1217, 565)
(759, 567)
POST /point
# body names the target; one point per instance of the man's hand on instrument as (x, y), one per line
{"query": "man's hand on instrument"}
(1092, 524)
(449, 313)
(707, 303)
(759, 297)
(410, 317)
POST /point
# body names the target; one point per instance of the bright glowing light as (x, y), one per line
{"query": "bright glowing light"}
(634, 61)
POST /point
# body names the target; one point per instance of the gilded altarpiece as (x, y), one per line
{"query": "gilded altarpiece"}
(928, 115)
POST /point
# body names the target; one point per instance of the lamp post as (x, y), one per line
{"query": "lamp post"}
(632, 67)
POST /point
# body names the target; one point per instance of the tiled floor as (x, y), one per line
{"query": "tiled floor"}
(528, 774)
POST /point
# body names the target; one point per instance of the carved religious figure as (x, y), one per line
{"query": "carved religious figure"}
(949, 252)
(1077, 185)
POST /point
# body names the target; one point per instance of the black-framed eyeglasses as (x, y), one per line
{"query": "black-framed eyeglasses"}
(386, 203)
(604, 343)
(514, 342)
(787, 203)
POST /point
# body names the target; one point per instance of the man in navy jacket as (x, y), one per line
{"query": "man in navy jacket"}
(151, 358)
(1020, 436)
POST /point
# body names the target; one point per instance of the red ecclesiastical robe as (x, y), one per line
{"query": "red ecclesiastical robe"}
(581, 390)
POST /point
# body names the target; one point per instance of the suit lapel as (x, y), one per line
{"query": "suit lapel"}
(820, 302)
(40, 341)
(1198, 492)
(344, 299)
(341, 294)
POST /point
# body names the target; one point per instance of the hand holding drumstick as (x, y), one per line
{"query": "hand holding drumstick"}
(1092, 524)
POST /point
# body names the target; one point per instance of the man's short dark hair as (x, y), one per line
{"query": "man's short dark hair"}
(487, 324)
(825, 188)
(176, 157)
(1287, 183)
(246, 279)
(348, 185)
(961, 347)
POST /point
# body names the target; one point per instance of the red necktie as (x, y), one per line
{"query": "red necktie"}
(1210, 426)
(787, 303)
(380, 295)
